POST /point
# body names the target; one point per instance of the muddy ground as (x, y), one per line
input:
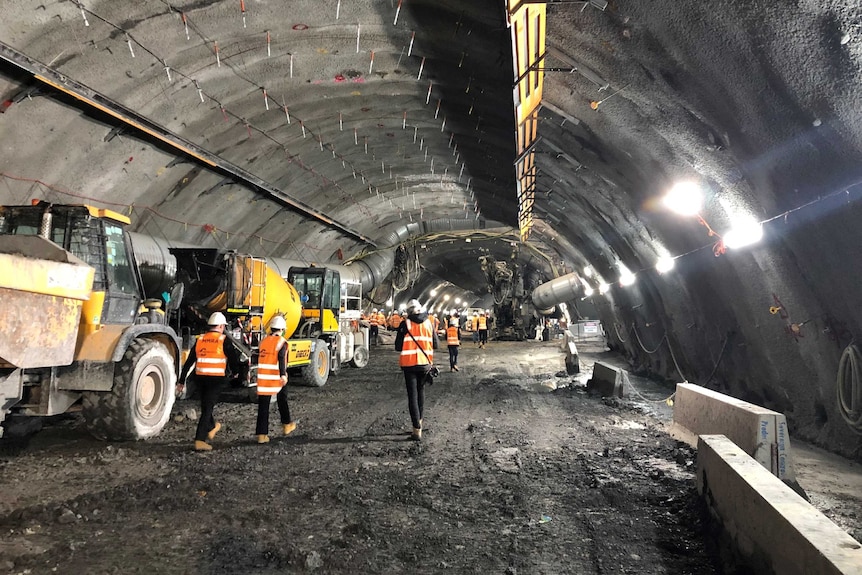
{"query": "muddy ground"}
(512, 477)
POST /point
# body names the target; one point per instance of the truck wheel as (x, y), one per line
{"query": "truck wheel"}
(139, 404)
(316, 373)
(360, 357)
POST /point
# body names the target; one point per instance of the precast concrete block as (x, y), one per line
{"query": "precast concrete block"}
(759, 432)
(607, 381)
(772, 527)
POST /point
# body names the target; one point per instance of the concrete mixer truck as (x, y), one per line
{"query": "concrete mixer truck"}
(86, 327)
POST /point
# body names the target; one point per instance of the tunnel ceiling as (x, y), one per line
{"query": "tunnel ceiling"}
(336, 125)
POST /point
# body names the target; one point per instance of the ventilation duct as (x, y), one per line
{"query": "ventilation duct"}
(556, 291)
(159, 267)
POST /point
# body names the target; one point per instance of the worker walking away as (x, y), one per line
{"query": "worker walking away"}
(374, 332)
(416, 340)
(213, 355)
(272, 380)
(453, 340)
(483, 329)
(474, 327)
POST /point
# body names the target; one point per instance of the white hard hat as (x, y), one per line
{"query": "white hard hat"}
(277, 322)
(217, 318)
(413, 306)
(374, 310)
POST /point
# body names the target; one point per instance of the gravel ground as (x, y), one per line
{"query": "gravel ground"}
(520, 471)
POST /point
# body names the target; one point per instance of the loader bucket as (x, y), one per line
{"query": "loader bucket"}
(42, 290)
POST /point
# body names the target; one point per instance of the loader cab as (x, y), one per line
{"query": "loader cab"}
(320, 290)
(97, 237)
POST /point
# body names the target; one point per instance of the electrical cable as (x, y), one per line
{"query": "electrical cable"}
(849, 384)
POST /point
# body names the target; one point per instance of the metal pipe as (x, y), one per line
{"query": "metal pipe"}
(557, 291)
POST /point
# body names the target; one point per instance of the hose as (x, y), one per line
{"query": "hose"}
(849, 387)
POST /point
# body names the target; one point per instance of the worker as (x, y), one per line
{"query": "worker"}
(483, 329)
(453, 340)
(474, 327)
(272, 380)
(214, 355)
(381, 322)
(374, 332)
(395, 320)
(416, 340)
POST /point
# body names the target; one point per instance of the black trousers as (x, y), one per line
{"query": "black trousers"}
(263, 402)
(483, 336)
(415, 381)
(210, 387)
(374, 333)
(453, 355)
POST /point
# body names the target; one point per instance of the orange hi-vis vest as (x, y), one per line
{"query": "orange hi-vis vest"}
(452, 336)
(410, 352)
(483, 322)
(268, 376)
(372, 319)
(209, 354)
(381, 319)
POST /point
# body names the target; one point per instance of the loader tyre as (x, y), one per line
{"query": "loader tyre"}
(139, 404)
(316, 372)
(360, 357)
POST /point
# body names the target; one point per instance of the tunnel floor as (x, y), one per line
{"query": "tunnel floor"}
(512, 476)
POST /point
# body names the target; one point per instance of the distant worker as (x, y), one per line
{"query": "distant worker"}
(212, 355)
(474, 327)
(374, 332)
(395, 320)
(272, 380)
(381, 322)
(483, 329)
(416, 341)
(453, 340)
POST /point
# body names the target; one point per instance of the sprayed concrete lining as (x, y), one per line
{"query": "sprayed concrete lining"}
(759, 432)
(774, 529)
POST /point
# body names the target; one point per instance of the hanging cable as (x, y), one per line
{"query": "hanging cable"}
(850, 387)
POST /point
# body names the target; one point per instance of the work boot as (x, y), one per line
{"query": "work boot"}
(263, 439)
(416, 435)
(211, 435)
(202, 446)
(456, 368)
(289, 427)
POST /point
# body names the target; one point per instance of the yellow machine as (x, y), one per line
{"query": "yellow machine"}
(250, 293)
(72, 334)
(82, 330)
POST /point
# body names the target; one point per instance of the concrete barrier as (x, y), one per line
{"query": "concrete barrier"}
(773, 528)
(607, 380)
(759, 432)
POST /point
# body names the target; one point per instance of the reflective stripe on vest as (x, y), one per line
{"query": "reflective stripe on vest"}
(483, 322)
(452, 336)
(268, 376)
(410, 352)
(209, 354)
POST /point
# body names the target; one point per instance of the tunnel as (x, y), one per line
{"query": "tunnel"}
(680, 177)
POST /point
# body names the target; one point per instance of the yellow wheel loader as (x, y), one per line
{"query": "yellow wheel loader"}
(73, 334)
